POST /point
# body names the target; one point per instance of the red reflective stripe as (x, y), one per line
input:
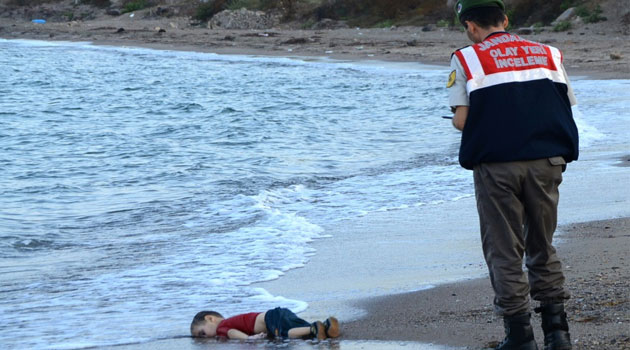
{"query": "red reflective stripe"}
(514, 56)
(462, 60)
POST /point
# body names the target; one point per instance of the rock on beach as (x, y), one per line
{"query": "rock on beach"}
(243, 19)
(565, 16)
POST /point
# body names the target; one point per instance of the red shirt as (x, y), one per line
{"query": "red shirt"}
(244, 323)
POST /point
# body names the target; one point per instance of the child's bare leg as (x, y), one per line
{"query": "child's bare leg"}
(299, 332)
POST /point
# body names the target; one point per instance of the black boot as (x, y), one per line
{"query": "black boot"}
(555, 326)
(519, 334)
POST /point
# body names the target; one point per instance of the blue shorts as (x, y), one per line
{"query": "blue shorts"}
(280, 320)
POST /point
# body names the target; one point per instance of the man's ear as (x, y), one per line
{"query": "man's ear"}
(506, 22)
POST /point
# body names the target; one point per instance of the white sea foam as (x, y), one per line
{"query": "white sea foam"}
(44, 43)
(600, 111)
(264, 297)
(589, 134)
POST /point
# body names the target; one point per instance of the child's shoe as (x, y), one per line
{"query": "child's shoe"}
(331, 325)
(318, 331)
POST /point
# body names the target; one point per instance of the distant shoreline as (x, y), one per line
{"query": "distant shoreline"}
(588, 52)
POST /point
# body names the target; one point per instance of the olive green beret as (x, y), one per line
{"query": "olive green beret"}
(464, 5)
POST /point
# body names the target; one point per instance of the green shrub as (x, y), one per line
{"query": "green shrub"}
(134, 5)
(97, 3)
(531, 11)
(374, 12)
(511, 16)
(384, 24)
(28, 2)
(566, 4)
(308, 24)
(591, 17)
(268, 4)
(456, 22)
(562, 26)
(582, 11)
(205, 11)
(443, 23)
(261, 4)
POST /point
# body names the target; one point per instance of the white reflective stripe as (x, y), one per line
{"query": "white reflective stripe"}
(514, 77)
(557, 60)
(557, 56)
(481, 80)
(473, 63)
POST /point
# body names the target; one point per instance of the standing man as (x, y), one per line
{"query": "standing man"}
(512, 101)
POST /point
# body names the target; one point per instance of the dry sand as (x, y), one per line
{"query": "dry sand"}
(599, 50)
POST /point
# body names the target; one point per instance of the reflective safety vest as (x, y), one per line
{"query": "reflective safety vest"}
(519, 107)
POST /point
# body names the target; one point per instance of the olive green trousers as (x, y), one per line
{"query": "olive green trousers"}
(518, 206)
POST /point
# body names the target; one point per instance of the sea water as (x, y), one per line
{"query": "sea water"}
(140, 186)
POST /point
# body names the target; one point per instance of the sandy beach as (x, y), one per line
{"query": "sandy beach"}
(459, 314)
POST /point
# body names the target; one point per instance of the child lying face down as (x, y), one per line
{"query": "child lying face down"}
(275, 323)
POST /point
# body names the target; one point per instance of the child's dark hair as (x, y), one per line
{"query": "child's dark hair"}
(485, 17)
(200, 318)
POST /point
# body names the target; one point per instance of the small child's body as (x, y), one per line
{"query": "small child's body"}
(275, 323)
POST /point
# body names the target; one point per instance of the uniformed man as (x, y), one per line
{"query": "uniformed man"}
(512, 101)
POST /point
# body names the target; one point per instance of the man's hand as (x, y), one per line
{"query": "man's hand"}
(459, 120)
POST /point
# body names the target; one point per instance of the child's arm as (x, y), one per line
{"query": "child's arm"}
(236, 334)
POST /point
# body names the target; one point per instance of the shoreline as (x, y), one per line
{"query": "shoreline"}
(574, 73)
(460, 314)
(588, 51)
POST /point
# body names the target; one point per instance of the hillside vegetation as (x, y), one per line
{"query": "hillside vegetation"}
(366, 13)
(400, 12)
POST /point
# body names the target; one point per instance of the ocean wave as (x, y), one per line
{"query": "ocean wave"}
(589, 134)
